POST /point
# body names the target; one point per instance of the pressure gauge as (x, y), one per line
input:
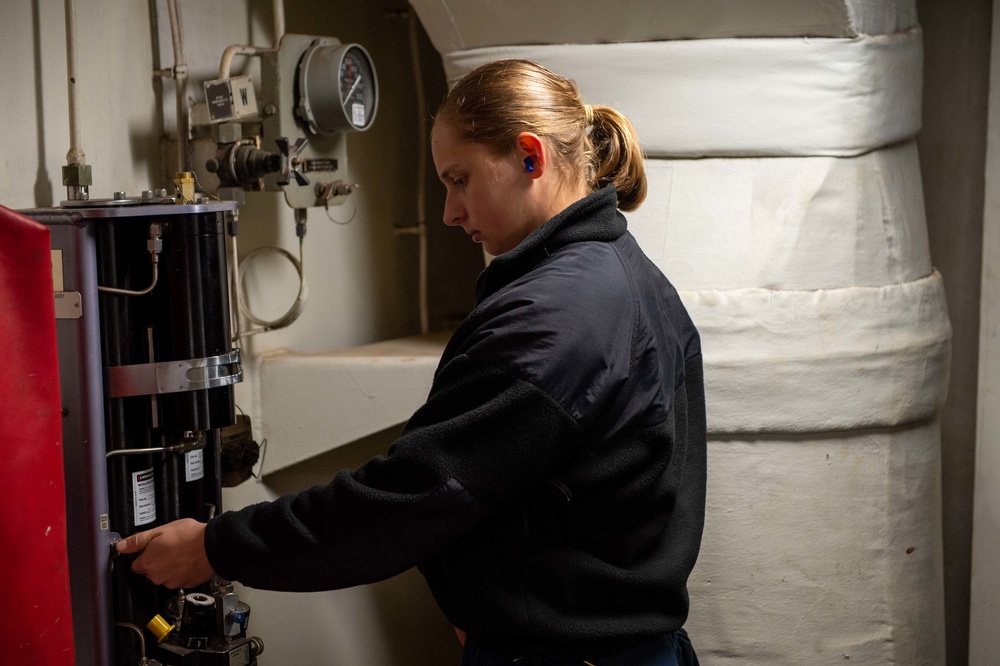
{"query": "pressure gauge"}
(338, 90)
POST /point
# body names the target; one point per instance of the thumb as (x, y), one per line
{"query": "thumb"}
(136, 542)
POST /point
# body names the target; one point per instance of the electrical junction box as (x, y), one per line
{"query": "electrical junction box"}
(230, 99)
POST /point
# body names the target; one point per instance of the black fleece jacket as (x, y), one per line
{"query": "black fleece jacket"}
(552, 488)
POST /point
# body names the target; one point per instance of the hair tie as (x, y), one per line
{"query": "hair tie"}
(588, 112)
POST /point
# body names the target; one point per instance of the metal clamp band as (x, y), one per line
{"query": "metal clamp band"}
(125, 381)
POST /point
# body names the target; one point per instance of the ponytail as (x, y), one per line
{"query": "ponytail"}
(617, 157)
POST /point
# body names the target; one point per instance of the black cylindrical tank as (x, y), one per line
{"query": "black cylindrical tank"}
(173, 344)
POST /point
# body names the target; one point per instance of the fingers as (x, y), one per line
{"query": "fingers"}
(139, 566)
(136, 542)
(172, 555)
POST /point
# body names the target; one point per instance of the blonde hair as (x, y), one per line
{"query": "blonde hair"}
(495, 102)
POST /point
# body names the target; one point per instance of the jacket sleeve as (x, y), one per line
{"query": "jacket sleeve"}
(482, 440)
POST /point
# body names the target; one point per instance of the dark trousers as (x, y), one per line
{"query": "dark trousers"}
(670, 650)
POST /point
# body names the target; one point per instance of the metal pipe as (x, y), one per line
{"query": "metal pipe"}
(180, 81)
(234, 290)
(75, 154)
(176, 448)
(135, 292)
(278, 9)
(300, 299)
(155, 246)
(421, 173)
(226, 64)
(142, 640)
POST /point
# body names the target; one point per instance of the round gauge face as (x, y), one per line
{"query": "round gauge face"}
(358, 88)
(338, 89)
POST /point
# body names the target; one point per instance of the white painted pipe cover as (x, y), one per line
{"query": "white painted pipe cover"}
(823, 549)
(800, 361)
(786, 223)
(775, 361)
(459, 25)
(744, 97)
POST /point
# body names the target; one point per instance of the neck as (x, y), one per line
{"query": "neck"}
(561, 196)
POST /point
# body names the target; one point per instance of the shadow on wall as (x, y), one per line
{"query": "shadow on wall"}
(43, 182)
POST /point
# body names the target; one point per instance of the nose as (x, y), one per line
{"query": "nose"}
(453, 212)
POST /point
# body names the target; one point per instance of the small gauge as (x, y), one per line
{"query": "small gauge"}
(338, 89)
(358, 88)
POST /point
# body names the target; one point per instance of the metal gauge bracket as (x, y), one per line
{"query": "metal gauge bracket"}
(124, 381)
(325, 155)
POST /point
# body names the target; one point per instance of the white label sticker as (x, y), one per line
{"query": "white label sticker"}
(67, 305)
(144, 496)
(194, 465)
(358, 114)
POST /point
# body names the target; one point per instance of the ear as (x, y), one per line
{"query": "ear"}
(530, 145)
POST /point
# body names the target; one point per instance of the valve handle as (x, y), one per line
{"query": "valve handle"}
(291, 165)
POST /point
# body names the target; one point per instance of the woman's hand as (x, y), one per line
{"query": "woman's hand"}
(172, 555)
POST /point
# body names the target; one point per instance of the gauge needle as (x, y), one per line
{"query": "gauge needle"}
(351, 91)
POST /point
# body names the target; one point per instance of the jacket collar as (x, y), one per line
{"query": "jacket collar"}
(593, 218)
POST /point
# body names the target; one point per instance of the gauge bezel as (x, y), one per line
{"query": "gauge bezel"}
(320, 104)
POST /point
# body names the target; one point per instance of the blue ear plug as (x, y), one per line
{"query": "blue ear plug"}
(528, 164)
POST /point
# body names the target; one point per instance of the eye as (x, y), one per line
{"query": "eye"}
(460, 181)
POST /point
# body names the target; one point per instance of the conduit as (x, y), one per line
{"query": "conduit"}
(420, 229)
(226, 64)
(278, 9)
(180, 74)
(421, 171)
(278, 16)
(75, 154)
(241, 307)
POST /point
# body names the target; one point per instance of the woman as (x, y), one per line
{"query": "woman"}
(552, 488)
